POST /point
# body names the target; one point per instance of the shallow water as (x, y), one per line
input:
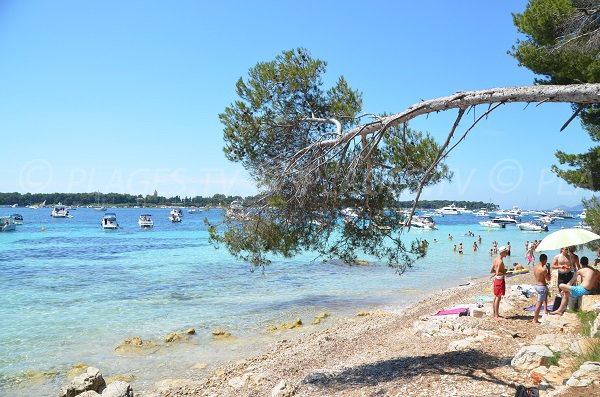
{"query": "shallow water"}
(71, 292)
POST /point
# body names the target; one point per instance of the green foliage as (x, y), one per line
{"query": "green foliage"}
(587, 321)
(283, 107)
(557, 47)
(592, 218)
(554, 359)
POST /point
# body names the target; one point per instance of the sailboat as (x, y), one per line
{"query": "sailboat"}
(98, 207)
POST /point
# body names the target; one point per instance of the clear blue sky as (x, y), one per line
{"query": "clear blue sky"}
(123, 96)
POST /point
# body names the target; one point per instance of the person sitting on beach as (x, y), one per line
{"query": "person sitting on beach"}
(499, 271)
(563, 263)
(590, 278)
(541, 274)
(517, 266)
(460, 249)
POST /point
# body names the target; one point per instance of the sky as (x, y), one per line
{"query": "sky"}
(124, 96)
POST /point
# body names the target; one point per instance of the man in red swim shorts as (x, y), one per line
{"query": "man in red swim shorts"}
(499, 271)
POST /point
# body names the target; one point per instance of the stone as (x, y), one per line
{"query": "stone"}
(587, 302)
(556, 375)
(532, 356)
(190, 331)
(286, 326)
(199, 366)
(238, 382)
(89, 393)
(320, 317)
(282, 389)
(76, 369)
(118, 389)
(555, 342)
(587, 374)
(537, 374)
(91, 379)
(220, 333)
(136, 345)
(363, 314)
(172, 337)
(123, 377)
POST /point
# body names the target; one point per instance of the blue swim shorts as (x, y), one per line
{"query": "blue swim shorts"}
(542, 292)
(578, 291)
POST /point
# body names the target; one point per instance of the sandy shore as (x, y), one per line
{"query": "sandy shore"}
(387, 354)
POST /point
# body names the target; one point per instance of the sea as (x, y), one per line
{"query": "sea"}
(71, 292)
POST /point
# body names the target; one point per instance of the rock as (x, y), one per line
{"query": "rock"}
(363, 314)
(91, 379)
(172, 337)
(360, 262)
(587, 374)
(89, 393)
(282, 389)
(199, 366)
(118, 389)
(76, 369)
(556, 375)
(124, 378)
(286, 326)
(319, 317)
(136, 345)
(596, 326)
(190, 331)
(555, 342)
(168, 384)
(537, 374)
(238, 382)
(529, 357)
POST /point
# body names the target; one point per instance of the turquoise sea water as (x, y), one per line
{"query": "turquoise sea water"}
(72, 292)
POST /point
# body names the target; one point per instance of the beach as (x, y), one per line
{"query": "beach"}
(385, 354)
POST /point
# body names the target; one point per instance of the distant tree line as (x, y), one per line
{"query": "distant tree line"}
(115, 199)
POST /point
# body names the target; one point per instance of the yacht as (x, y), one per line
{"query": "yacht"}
(7, 224)
(236, 205)
(582, 215)
(583, 225)
(146, 221)
(492, 224)
(173, 217)
(100, 208)
(60, 211)
(560, 214)
(176, 213)
(18, 218)
(421, 222)
(482, 212)
(36, 206)
(533, 226)
(449, 210)
(195, 210)
(109, 221)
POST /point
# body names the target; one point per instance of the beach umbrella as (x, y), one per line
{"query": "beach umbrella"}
(566, 238)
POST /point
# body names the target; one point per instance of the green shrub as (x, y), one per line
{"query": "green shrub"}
(587, 321)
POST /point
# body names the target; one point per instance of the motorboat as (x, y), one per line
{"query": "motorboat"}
(236, 205)
(421, 222)
(18, 218)
(507, 220)
(60, 211)
(533, 226)
(582, 215)
(449, 210)
(7, 223)
(560, 214)
(482, 212)
(546, 219)
(492, 224)
(583, 225)
(15, 205)
(101, 208)
(146, 221)
(109, 221)
(173, 217)
(195, 210)
(36, 206)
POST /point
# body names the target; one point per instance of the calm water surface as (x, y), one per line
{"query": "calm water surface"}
(71, 292)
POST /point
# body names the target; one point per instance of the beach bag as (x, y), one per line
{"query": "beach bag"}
(523, 391)
(557, 301)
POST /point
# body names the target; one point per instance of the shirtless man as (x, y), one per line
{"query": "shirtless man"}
(541, 273)
(562, 262)
(589, 280)
(575, 265)
(499, 271)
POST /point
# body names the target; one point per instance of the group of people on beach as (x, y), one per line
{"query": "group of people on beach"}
(575, 278)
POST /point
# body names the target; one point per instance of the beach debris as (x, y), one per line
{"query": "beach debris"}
(137, 345)
(91, 379)
(282, 389)
(319, 317)
(532, 356)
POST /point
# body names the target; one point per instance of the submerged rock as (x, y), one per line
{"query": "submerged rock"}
(286, 326)
(76, 369)
(221, 333)
(123, 377)
(136, 345)
(319, 317)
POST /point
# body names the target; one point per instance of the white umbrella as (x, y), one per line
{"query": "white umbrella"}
(566, 238)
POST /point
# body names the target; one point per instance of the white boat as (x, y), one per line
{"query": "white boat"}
(492, 224)
(176, 212)
(174, 218)
(195, 210)
(236, 205)
(533, 226)
(583, 225)
(36, 206)
(482, 212)
(560, 214)
(145, 221)
(60, 211)
(15, 205)
(546, 219)
(17, 218)
(582, 215)
(100, 208)
(7, 224)
(507, 220)
(449, 210)
(109, 221)
(422, 222)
